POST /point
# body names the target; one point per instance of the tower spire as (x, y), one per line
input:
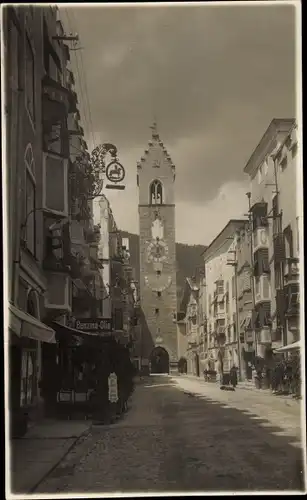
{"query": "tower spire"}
(154, 130)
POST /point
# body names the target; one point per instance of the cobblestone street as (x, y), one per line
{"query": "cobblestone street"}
(172, 441)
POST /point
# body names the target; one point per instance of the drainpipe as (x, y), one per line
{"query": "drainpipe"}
(237, 317)
(252, 265)
(281, 267)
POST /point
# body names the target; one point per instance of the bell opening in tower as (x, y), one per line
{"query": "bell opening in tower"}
(156, 193)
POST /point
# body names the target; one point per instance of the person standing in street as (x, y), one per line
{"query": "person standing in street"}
(233, 377)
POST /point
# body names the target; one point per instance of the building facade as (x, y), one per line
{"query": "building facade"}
(192, 327)
(245, 302)
(38, 103)
(222, 339)
(188, 329)
(272, 169)
(156, 181)
(203, 322)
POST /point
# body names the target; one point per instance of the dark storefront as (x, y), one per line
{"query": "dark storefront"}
(25, 333)
(77, 368)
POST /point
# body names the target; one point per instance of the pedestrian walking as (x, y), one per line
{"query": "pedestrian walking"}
(233, 377)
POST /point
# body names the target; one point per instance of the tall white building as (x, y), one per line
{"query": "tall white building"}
(273, 170)
(221, 340)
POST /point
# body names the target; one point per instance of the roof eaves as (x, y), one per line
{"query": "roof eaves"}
(265, 144)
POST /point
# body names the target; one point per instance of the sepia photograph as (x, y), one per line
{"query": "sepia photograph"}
(153, 249)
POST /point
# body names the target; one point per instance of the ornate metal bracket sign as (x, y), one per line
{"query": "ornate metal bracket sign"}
(115, 172)
(87, 176)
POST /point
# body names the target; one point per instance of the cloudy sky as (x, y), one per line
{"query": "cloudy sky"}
(213, 76)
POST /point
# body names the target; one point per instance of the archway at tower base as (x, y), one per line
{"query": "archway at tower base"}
(159, 361)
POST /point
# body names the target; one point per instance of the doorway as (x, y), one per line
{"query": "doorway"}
(182, 365)
(159, 360)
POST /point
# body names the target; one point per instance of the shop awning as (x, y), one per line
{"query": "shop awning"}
(68, 331)
(25, 325)
(290, 347)
(73, 331)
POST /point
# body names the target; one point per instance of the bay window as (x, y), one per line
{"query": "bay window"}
(55, 195)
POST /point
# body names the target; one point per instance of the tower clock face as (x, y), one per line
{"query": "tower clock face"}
(157, 251)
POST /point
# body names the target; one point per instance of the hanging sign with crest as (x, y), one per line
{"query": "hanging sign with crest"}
(115, 173)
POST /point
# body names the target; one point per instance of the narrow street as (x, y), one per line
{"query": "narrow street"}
(184, 435)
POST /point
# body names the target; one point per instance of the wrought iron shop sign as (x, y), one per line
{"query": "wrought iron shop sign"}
(96, 325)
(115, 172)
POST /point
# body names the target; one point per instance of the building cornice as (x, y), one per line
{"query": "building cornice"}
(267, 143)
(222, 237)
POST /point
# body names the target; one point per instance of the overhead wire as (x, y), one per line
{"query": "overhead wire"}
(82, 87)
(85, 87)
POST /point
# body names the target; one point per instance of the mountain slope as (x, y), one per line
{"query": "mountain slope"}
(189, 260)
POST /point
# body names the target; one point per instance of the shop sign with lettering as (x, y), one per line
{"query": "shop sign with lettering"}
(96, 325)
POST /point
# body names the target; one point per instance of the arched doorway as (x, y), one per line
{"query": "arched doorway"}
(159, 360)
(182, 365)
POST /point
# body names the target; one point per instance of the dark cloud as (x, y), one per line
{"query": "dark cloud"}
(213, 76)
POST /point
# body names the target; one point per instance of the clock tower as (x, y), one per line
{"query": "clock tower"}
(156, 182)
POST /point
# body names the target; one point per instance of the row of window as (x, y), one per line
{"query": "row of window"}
(22, 76)
(268, 164)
